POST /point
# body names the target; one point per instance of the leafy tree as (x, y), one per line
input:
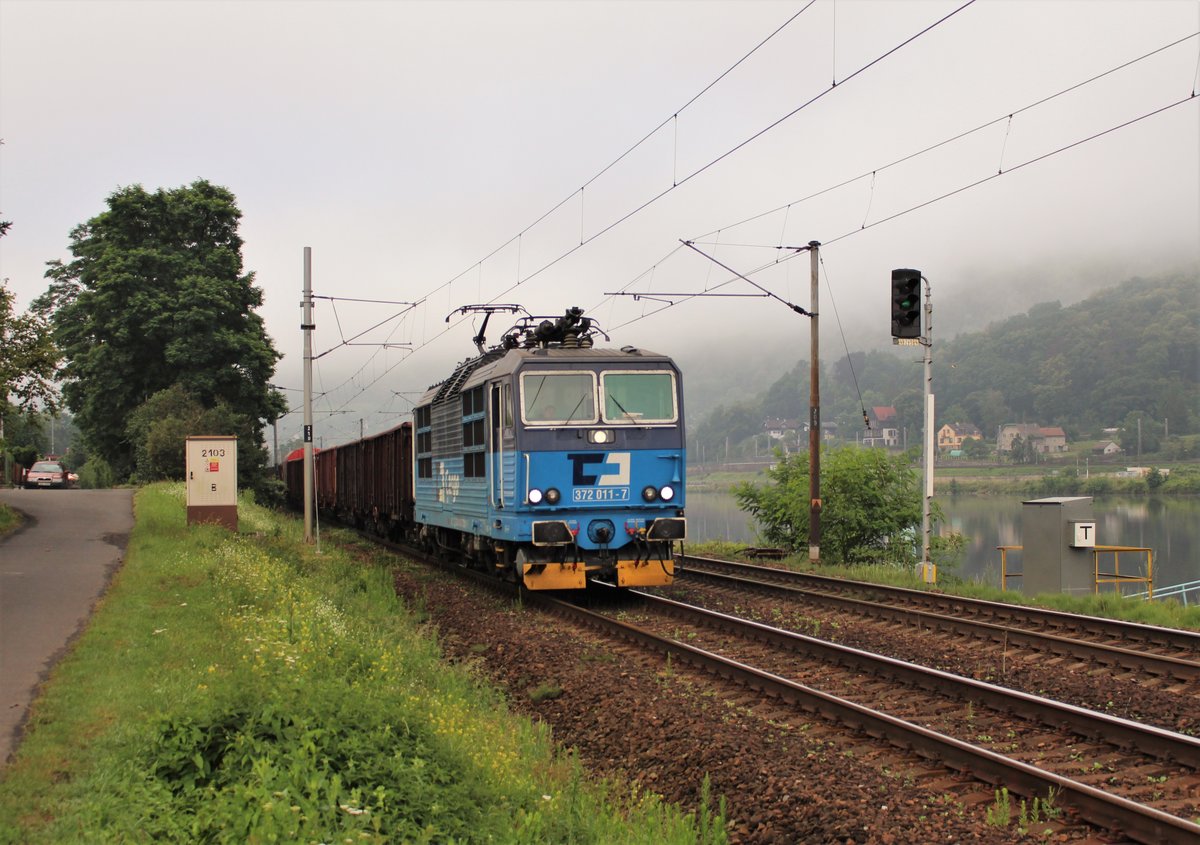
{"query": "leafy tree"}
(159, 428)
(27, 363)
(1023, 451)
(871, 504)
(156, 296)
(1139, 434)
(27, 357)
(1155, 479)
(975, 448)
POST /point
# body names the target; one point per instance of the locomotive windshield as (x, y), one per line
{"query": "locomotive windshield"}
(559, 398)
(638, 396)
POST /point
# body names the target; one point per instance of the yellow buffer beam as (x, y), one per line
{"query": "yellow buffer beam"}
(555, 576)
(645, 573)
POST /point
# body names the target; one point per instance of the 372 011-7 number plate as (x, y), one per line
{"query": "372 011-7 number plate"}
(600, 494)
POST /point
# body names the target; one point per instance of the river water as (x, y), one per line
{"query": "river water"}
(1168, 525)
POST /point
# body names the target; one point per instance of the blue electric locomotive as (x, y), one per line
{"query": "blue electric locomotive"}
(551, 461)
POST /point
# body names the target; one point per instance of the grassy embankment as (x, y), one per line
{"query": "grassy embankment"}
(243, 688)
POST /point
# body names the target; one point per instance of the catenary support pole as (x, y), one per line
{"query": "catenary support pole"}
(307, 327)
(814, 419)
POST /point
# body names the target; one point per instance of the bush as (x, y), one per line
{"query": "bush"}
(96, 474)
(871, 505)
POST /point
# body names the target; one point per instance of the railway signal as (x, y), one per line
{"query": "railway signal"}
(906, 331)
(906, 303)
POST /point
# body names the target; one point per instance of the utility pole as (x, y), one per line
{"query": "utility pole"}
(307, 326)
(814, 415)
(814, 418)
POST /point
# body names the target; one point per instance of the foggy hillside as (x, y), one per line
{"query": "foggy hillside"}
(1127, 348)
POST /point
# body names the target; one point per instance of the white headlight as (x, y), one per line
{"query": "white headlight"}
(535, 496)
(667, 493)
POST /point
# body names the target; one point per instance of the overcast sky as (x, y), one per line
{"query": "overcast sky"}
(414, 146)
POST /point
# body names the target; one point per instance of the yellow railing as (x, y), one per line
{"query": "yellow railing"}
(1098, 553)
(1115, 577)
(1004, 573)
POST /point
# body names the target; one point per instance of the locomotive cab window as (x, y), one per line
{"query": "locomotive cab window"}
(636, 397)
(558, 398)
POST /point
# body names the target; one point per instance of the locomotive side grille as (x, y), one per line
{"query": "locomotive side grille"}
(447, 429)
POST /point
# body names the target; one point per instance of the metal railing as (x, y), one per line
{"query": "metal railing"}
(1179, 591)
(1099, 577)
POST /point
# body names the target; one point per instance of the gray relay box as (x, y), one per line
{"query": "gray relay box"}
(1058, 535)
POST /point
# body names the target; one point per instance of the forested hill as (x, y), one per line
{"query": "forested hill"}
(1130, 350)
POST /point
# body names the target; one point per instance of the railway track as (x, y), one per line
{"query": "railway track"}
(1080, 757)
(1153, 759)
(1167, 657)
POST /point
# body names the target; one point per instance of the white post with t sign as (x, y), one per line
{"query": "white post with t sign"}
(212, 481)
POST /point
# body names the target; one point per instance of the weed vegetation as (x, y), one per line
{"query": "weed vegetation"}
(10, 520)
(243, 688)
(1167, 613)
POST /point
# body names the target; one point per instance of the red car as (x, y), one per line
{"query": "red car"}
(46, 474)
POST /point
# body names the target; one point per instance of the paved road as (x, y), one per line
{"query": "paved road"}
(52, 571)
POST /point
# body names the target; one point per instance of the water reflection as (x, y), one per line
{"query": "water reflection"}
(1171, 527)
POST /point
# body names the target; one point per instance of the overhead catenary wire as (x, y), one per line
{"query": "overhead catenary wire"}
(1007, 116)
(792, 252)
(423, 300)
(427, 340)
(787, 252)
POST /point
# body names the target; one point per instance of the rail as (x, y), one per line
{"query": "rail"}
(1099, 577)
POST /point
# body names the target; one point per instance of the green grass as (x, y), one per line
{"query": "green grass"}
(1168, 614)
(245, 689)
(10, 520)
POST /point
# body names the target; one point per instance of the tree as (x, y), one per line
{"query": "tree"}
(976, 448)
(28, 359)
(871, 504)
(160, 426)
(156, 296)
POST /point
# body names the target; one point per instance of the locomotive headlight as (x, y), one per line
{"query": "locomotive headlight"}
(649, 493)
(535, 496)
(552, 496)
(600, 436)
(667, 493)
